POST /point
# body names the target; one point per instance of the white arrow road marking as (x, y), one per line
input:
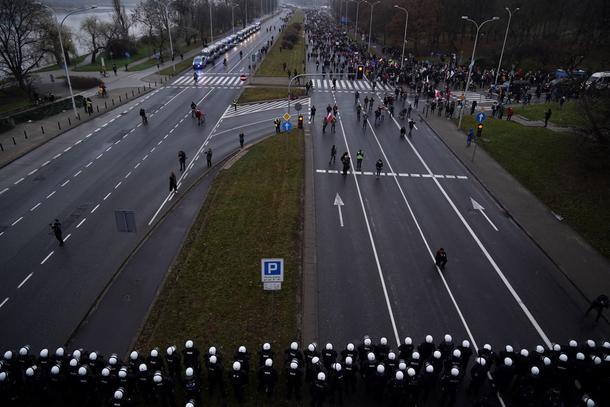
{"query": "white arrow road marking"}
(478, 207)
(339, 203)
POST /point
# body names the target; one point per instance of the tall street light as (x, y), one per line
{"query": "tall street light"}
(372, 6)
(61, 46)
(510, 16)
(404, 41)
(474, 48)
(356, 25)
(169, 31)
(233, 16)
(211, 24)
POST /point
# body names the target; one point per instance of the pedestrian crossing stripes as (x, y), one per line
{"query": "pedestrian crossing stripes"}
(212, 81)
(395, 174)
(350, 86)
(266, 106)
(471, 96)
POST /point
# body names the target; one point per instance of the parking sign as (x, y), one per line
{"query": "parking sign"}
(272, 270)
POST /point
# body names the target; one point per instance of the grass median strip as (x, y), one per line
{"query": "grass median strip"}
(256, 93)
(213, 294)
(272, 65)
(570, 175)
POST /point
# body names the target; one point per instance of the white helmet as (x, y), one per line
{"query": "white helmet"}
(93, 356)
(189, 404)
(350, 347)
(189, 372)
(606, 345)
(268, 362)
(236, 365)
(573, 343)
(563, 357)
(597, 360)
(411, 372)
(590, 343)
(311, 347)
(213, 359)
(481, 361)
(30, 372)
(3, 376)
(73, 362)
(44, 353)
(315, 360)
(557, 347)
(75, 354)
(142, 367)
(24, 350)
(508, 361)
(415, 355)
(429, 368)
(509, 349)
(546, 361)
(8, 355)
(535, 371)
(105, 372)
(321, 376)
(455, 371)
(113, 360)
(242, 349)
(580, 356)
(188, 344)
(429, 339)
(338, 367)
(294, 346)
(349, 360)
(266, 346)
(539, 349)
(370, 356)
(399, 375)
(457, 353)
(402, 366)
(408, 341)
(329, 346)
(154, 353)
(524, 352)
(294, 365)
(465, 344)
(367, 341)
(212, 350)
(118, 395)
(448, 338)
(487, 346)
(133, 355)
(437, 354)
(59, 352)
(588, 401)
(380, 369)
(122, 373)
(391, 356)
(82, 371)
(157, 378)
(55, 370)
(170, 350)
(383, 341)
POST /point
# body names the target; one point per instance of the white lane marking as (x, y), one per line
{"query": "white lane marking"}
(128, 174)
(3, 191)
(321, 171)
(67, 149)
(80, 223)
(67, 237)
(99, 156)
(77, 173)
(33, 171)
(152, 150)
(117, 142)
(118, 185)
(160, 142)
(88, 135)
(51, 194)
(19, 181)
(56, 156)
(482, 247)
(65, 183)
(4, 302)
(109, 148)
(78, 142)
(89, 165)
(96, 130)
(145, 157)
(17, 221)
(462, 176)
(45, 163)
(372, 240)
(95, 209)
(47, 258)
(25, 280)
(450, 176)
(33, 208)
(107, 195)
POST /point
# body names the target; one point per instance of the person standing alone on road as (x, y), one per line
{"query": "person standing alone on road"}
(598, 304)
(208, 156)
(241, 140)
(441, 258)
(182, 160)
(333, 155)
(173, 184)
(359, 158)
(378, 167)
(547, 116)
(56, 228)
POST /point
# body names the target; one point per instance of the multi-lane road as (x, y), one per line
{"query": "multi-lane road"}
(112, 163)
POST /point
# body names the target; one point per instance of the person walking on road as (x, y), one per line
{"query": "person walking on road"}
(208, 156)
(333, 155)
(346, 163)
(114, 69)
(173, 184)
(470, 137)
(378, 168)
(241, 140)
(313, 114)
(598, 305)
(441, 258)
(359, 158)
(547, 116)
(182, 160)
(56, 228)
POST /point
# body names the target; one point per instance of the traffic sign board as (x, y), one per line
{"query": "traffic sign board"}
(272, 270)
(480, 117)
(286, 126)
(286, 116)
(298, 107)
(272, 286)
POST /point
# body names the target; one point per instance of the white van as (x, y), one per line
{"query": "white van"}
(601, 80)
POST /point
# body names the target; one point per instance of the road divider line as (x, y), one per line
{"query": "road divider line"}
(65, 183)
(67, 237)
(4, 302)
(3, 191)
(95, 208)
(19, 181)
(17, 221)
(80, 223)
(47, 258)
(77, 173)
(25, 280)
(33, 171)
(51, 194)
(107, 195)
(33, 208)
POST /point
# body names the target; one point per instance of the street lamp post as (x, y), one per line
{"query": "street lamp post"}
(474, 48)
(233, 16)
(372, 6)
(356, 25)
(211, 24)
(404, 41)
(61, 46)
(169, 31)
(510, 16)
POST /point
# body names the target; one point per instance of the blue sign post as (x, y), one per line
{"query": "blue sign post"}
(272, 273)
(286, 126)
(480, 117)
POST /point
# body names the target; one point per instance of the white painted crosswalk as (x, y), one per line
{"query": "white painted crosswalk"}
(218, 81)
(345, 85)
(470, 96)
(267, 106)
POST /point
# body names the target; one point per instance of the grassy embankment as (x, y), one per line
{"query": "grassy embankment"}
(566, 116)
(213, 294)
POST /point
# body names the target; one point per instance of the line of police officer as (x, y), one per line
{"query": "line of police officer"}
(570, 375)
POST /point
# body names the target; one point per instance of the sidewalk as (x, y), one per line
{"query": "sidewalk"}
(584, 267)
(27, 136)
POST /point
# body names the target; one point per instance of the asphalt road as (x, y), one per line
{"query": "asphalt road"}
(112, 163)
(376, 273)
